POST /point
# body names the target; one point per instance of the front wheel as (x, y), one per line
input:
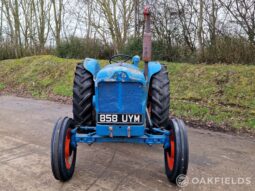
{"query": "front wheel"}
(176, 153)
(63, 154)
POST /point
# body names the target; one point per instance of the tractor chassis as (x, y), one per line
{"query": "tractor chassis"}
(151, 136)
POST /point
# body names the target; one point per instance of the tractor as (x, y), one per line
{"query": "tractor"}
(121, 103)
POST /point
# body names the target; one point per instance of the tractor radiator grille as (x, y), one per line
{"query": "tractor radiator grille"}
(121, 97)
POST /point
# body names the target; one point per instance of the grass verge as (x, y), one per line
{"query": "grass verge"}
(217, 95)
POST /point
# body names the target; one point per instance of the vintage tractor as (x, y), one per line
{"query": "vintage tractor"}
(121, 103)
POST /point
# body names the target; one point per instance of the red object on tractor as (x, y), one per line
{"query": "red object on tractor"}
(147, 44)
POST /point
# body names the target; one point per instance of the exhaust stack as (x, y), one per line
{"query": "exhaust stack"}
(147, 44)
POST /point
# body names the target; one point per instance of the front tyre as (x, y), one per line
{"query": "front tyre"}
(63, 155)
(177, 154)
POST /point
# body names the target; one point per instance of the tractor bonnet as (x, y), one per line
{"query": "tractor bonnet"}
(120, 72)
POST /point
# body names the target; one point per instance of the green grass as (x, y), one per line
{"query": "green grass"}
(2, 86)
(39, 75)
(222, 94)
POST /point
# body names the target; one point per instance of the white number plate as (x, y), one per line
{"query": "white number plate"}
(119, 118)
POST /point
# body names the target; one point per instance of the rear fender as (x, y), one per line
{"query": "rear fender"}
(91, 65)
(153, 68)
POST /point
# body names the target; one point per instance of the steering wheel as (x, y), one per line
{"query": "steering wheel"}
(122, 58)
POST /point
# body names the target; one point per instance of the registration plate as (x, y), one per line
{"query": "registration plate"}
(120, 119)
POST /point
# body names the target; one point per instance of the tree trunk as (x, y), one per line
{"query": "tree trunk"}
(41, 28)
(1, 22)
(213, 24)
(200, 31)
(58, 20)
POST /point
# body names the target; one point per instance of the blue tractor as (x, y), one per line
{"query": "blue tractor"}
(121, 103)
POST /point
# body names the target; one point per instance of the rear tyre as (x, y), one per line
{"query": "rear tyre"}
(177, 154)
(159, 98)
(63, 155)
(83, 91)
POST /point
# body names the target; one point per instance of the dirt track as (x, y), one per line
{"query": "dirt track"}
(25, 132)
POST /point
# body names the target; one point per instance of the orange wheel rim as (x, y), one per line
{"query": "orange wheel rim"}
(67, 149)
(171, 153)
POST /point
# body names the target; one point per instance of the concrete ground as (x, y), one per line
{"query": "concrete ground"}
(217, 161)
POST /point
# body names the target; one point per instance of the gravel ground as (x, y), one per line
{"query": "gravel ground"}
(217, 160)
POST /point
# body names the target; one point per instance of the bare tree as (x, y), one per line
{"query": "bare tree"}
(11, 10)
(186, 13)
(243, 11)
(57, 12)
(42, 12)
(199, 26)
(138, 18)
(1, 21)
(166, 29)
(117, 17)
(200, 30)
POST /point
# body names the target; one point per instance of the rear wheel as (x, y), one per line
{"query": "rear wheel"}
(177, 154)
(159, 98)
(83, 91)
(63, 154)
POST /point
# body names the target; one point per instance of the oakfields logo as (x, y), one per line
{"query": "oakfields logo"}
(183, 180)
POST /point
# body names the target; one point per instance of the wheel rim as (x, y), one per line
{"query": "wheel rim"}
(171, 153)
(68, 151)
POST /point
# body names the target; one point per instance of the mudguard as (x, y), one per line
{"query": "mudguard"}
(92, 65)
(153, 68)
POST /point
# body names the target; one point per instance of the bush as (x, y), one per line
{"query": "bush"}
(6, 51)
(160, 50)
(133, 47)
(230, 50)
(80, 48)
(227, 49)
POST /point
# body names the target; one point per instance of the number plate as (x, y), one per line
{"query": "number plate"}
(119, 119)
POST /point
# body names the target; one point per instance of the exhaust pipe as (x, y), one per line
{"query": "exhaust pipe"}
(147, 44)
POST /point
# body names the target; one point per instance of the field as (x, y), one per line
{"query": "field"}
(217, 96)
